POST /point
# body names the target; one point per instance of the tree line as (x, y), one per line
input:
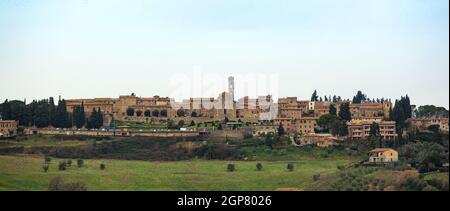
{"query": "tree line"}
(45, 113)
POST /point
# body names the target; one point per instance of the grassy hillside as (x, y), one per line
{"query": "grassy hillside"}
(25, 173)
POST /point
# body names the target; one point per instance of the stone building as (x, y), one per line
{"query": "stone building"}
(368, 109)
(321, 108)
(424, 123)
(253, 109)
(8, 128)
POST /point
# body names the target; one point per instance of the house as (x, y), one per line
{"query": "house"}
(8, 128)
(383, 155)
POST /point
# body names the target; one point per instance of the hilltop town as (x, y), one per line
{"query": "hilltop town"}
(340, 118)
(365, 138)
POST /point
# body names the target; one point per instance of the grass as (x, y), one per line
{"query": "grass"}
(141, 126)
(25, 173)
(437, 175)
(44, 141)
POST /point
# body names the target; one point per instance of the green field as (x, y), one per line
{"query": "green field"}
(25, 173)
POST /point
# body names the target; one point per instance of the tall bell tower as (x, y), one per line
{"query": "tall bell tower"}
(231, 87)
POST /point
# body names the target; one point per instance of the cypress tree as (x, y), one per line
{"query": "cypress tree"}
(344, 112)
(314, 96)
(333, 110)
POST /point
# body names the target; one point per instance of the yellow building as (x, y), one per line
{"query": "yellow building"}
(383, 155)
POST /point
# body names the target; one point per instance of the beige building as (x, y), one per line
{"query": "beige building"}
(358, 129)
(8, 128)
(424, 123)
(304, 125)
(321, 108)
(366, 109)
(383, 155)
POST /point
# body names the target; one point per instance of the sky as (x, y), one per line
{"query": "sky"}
(107, 48)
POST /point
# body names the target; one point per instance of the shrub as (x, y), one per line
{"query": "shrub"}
(324, 154)
(290, 167)
(259, 166)
(316, 177)
(62, 165)
(47, 159)
(102, 166)
(80, 163)
(69, 163)
(341, 167)
(231, 167)
(45, 167)
(57, 184)
(77, 186)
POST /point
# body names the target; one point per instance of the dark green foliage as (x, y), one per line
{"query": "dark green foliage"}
(80, 163)
(130, 112)
(47, 159)
(194, 114)
(333, 110)
(344, 112)
(401, 112)
(61, 116)
(181, 112)
(324, 154)
(57, 184)
(280, 130)
(102, 166)
(314, 96)
(231, 167)
(434, 128)
(192, 123)
(316, 177)
(428, 111)
(359, 98)
(95, 120)
(62, 166)
(326, 121)
(259, 166)
(290, 167)
(355, 179)
(424, 156)
(79, 116)
(45, 167)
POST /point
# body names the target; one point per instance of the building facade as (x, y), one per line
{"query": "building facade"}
(8, 128)
(383, 155)
(358, 129)
(424, 123)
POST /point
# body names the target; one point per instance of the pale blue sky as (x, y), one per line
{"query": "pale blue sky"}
(105, 48)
